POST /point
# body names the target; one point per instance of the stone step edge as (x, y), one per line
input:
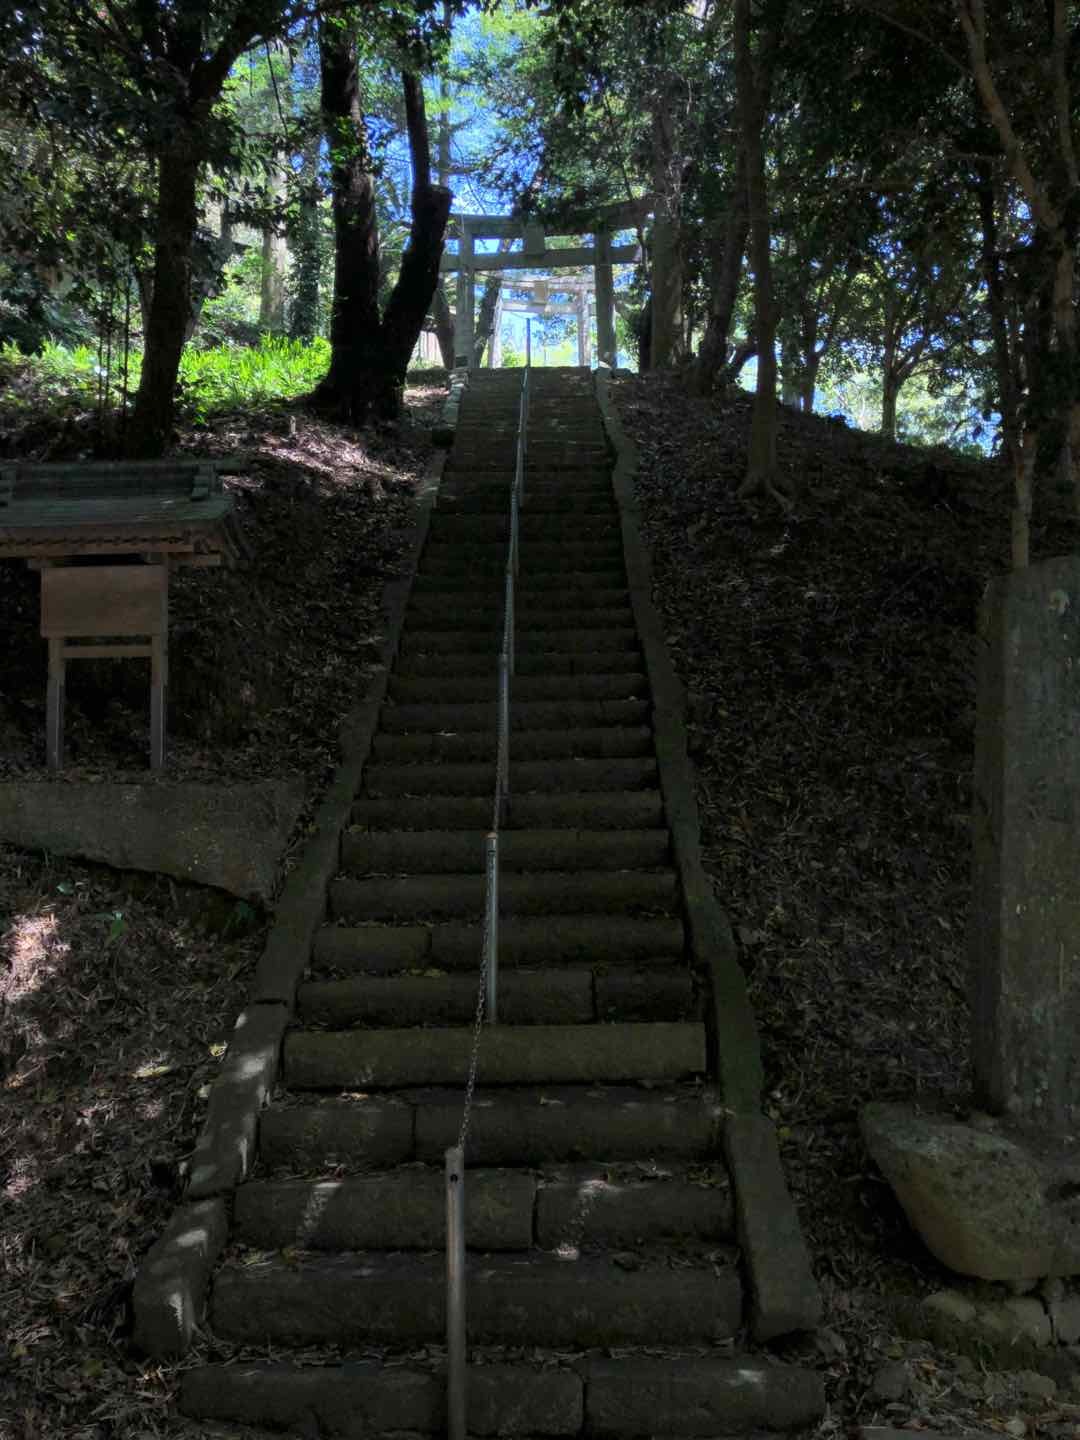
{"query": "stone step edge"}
(784, 1296)
(639, 1396)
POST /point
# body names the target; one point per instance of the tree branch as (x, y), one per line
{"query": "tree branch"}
(973, 23)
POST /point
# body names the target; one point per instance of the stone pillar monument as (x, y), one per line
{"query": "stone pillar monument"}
(1025, 930)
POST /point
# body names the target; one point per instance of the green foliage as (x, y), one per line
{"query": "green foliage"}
(225, 377)
(230, 378)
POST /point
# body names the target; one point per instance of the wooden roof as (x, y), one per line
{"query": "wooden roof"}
(104, 508)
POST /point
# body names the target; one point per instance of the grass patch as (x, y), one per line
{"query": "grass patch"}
(63, 379)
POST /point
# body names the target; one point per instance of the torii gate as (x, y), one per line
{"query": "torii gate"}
(540, 292)
(535, 255)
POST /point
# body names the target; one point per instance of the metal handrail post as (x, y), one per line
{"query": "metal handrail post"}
(491, 927)
(455, 1294)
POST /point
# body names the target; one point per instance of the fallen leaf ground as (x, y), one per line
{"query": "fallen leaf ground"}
(828, 660)
(118, 992)
(828, 663)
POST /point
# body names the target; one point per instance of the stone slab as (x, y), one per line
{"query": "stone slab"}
(645, 994)
(985, 1201)
(171, 1283)
(509, 1055)
(403, 1211)
(699, 1397)
(363, 1135)
(784, 1296)
(558, 1124)
(1025, 933)
(232, 837)
(359, 1398)
(541, 997)
(225, 1149)
(379, 1299)
(593, 1208)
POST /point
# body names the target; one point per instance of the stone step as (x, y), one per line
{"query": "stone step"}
(587, 892)
(405, 1209)
(598, 742)
(604, 544)
(526, 997)
(553, 457)
(535, 580)
(527, 715)
(600, 557)
(546, 665)
(436, 852)
(423, 641)
(529, 1126)
(537, 479)
(457, 501)
(644, 1395)
(366, 1298)
(609, 810)
(552, 940)
(540, 526)
(440, 601)
(511, 1055)
(526, 776)
(531, 623)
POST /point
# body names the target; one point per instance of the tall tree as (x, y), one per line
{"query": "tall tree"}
(371, 346)
(753, 73)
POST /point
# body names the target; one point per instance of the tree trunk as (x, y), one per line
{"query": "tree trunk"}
(761, 473)
(485, 320)
(150, 429)
(665, 250)
(275, 257)
(419, 275)
(444, 326)
(890, 393)
(307, 261)
(1004, 360)
(354, 317)
(725, 261)
(808, 381)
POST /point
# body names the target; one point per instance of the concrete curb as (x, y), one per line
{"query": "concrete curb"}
(784, 1295)
(170, 1288)
(445, 429)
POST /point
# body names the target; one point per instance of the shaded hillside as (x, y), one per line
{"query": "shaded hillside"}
(829, 663)
(265, 659)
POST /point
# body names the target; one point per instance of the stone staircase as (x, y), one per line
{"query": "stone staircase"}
(605, 1290)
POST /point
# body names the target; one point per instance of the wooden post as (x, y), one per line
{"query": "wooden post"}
(465, 318)
(54, 705)
(605, 298)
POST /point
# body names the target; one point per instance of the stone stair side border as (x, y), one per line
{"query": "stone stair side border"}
(172, 1281)
(445, 428)
(784, 1296)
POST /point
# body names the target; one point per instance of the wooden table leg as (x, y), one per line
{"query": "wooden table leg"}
(54, 705)
(158, 686)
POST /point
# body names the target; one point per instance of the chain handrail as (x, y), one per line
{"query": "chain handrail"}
(487, 1003)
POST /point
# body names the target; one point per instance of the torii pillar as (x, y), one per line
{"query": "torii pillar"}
(465, 314)
(605, 298)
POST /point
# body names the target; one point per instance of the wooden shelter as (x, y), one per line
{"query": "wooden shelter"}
(105, 538)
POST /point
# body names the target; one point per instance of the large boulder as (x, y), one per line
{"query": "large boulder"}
(229, 836)
(987, 1199)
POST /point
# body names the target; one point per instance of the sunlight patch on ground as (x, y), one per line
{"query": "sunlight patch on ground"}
(32, 951)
